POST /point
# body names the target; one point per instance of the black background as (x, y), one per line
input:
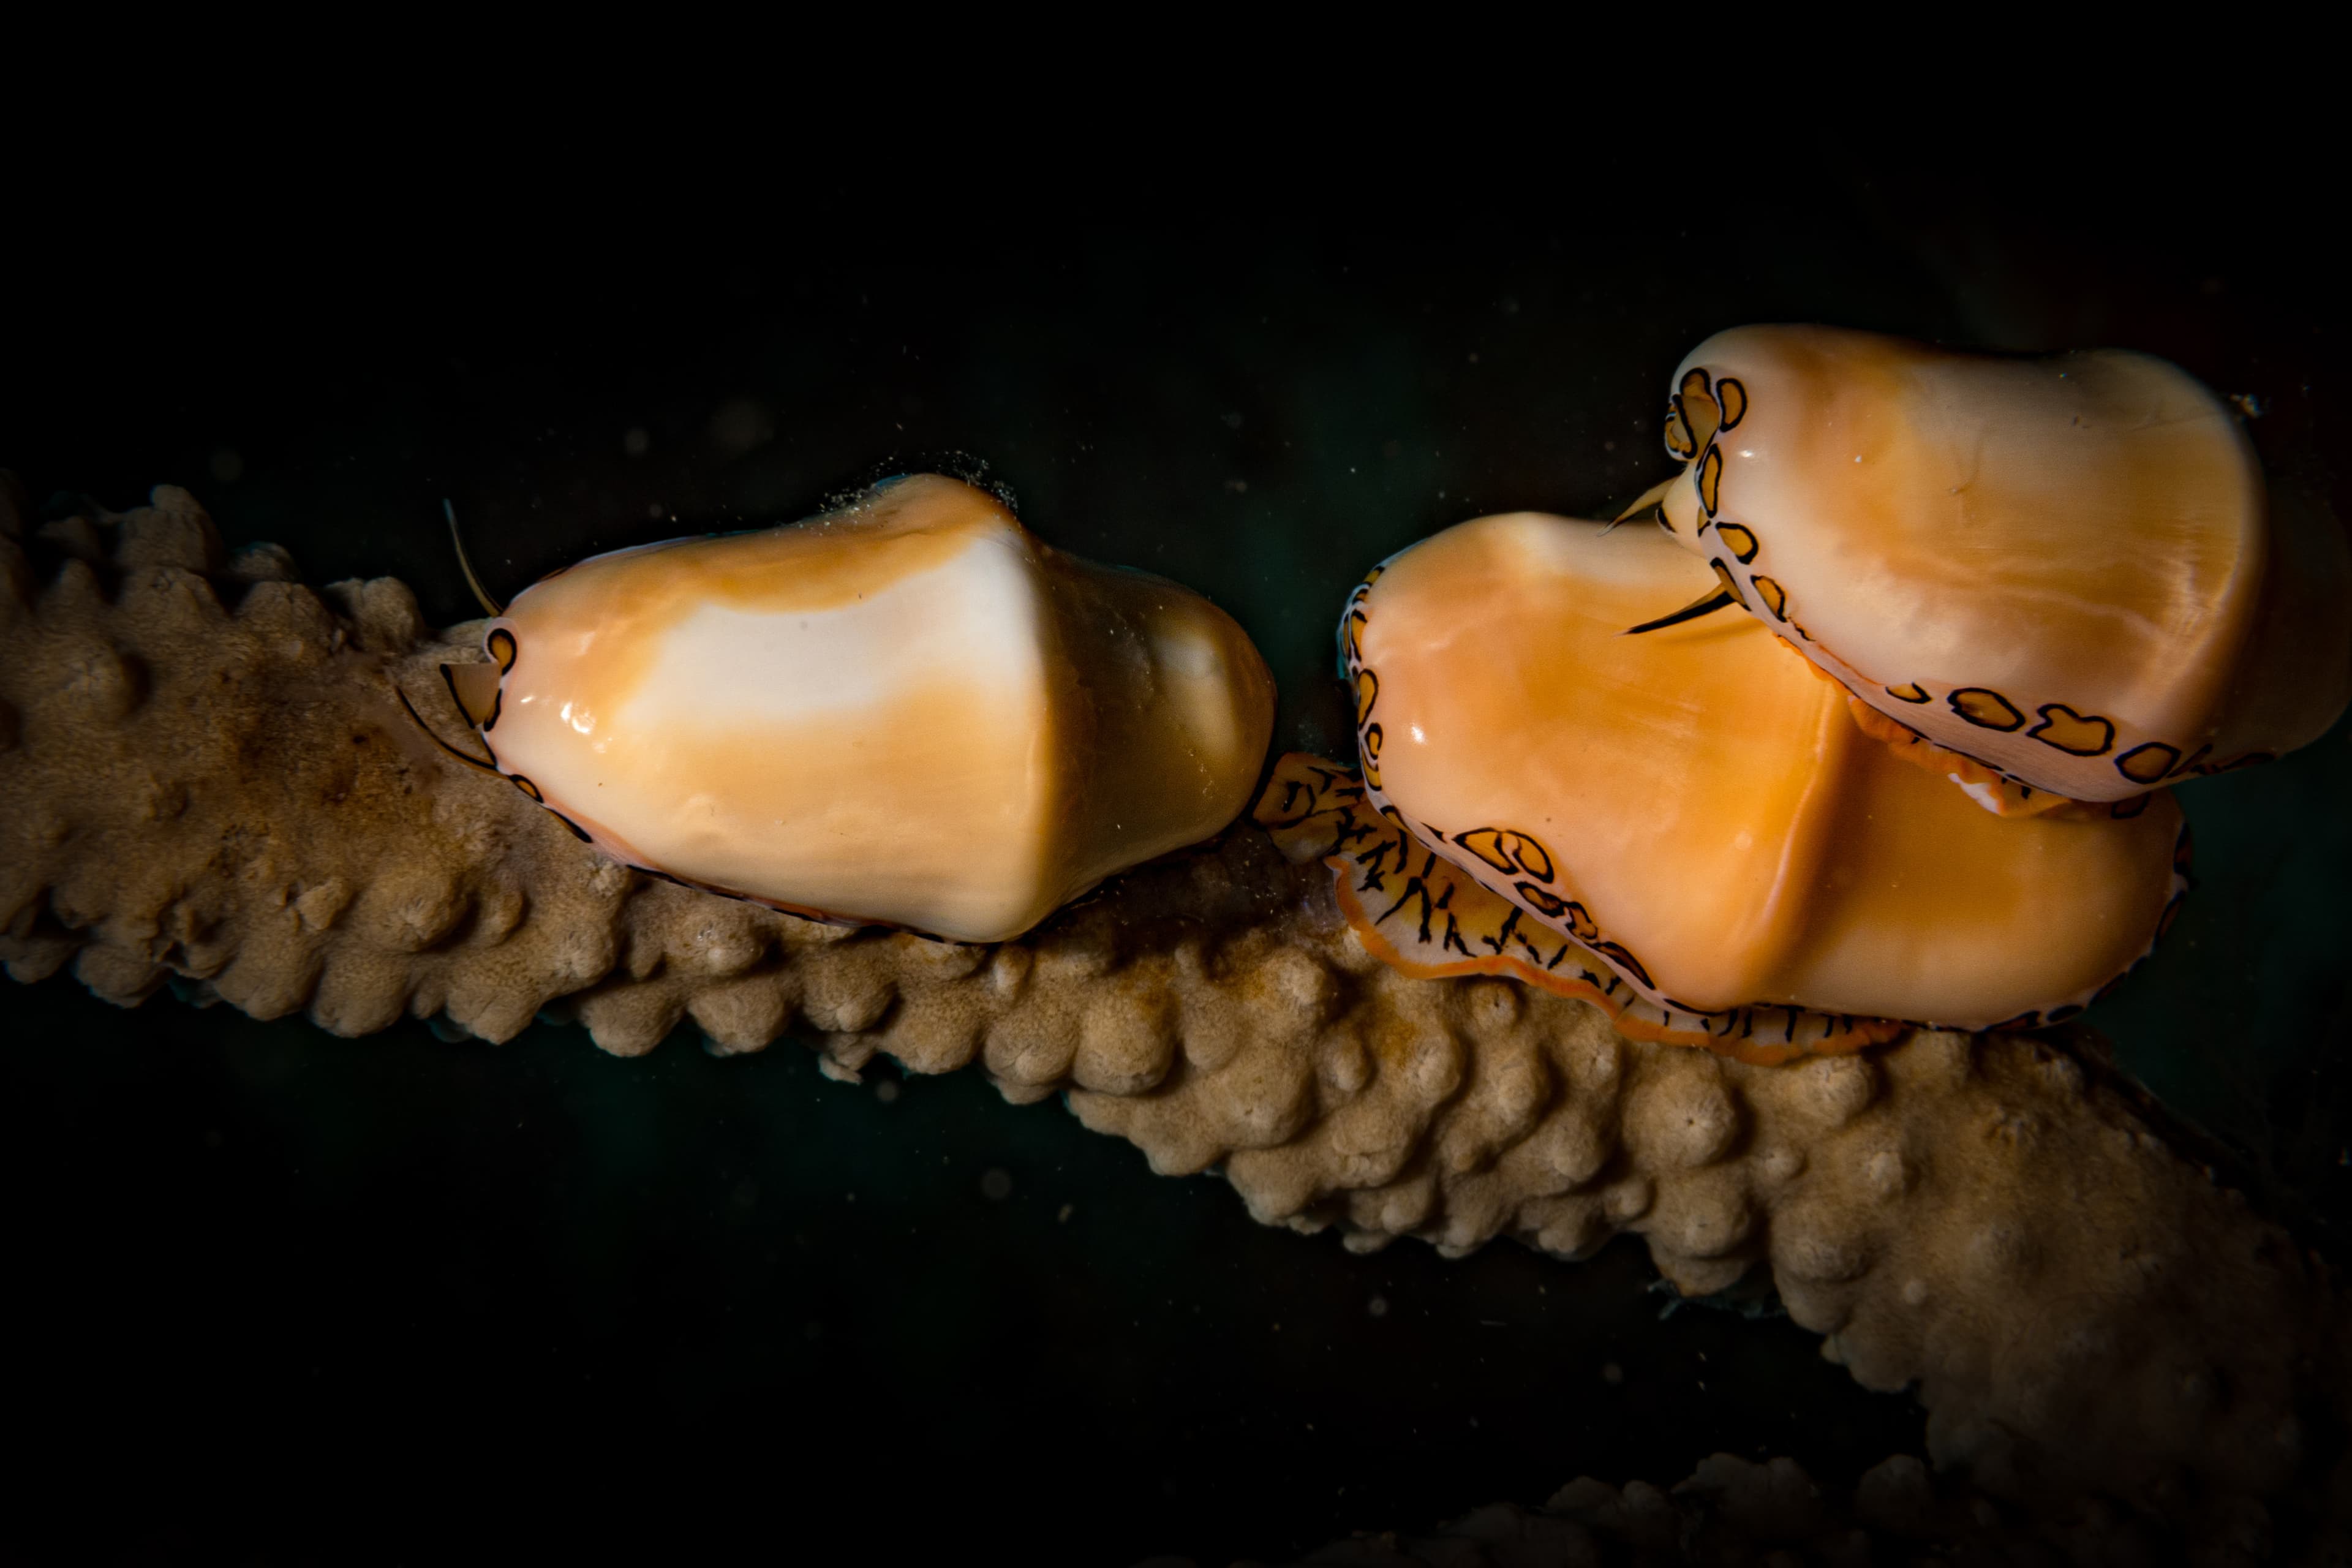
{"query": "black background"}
(276, 1295)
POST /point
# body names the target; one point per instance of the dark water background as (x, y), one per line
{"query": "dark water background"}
(307, 1296)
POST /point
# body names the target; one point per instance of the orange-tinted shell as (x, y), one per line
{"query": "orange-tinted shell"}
(2064, 568)
(1694, 807)
(909, 711)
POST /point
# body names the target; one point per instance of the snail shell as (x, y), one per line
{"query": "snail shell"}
(1692, 811)
(908, 713)
(2063, 568)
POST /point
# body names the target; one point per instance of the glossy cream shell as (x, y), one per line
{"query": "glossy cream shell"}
(908, 712)
(2088, 531)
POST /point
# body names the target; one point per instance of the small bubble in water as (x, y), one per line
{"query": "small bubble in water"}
(1611, 1373)
(228, 464)
(1378, 1306)
(636, 442)
(887, 1090)
(996, 1184)
(739, 424)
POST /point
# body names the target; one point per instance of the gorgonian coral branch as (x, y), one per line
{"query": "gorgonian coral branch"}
(206, 778)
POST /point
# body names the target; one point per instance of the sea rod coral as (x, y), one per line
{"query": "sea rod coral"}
(1730, 1512)
(206, 777)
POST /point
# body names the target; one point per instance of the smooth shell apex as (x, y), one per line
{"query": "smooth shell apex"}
(2065, 567)
(1695, 809)
(908, 713)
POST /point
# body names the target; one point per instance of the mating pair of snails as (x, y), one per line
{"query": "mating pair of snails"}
(1983, 613)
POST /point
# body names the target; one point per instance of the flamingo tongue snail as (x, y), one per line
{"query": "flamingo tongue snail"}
(1685, 827)
(2057, 579)
(908, 713)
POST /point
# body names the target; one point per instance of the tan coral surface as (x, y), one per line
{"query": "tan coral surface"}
(1730, 1512)
(204, 773)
